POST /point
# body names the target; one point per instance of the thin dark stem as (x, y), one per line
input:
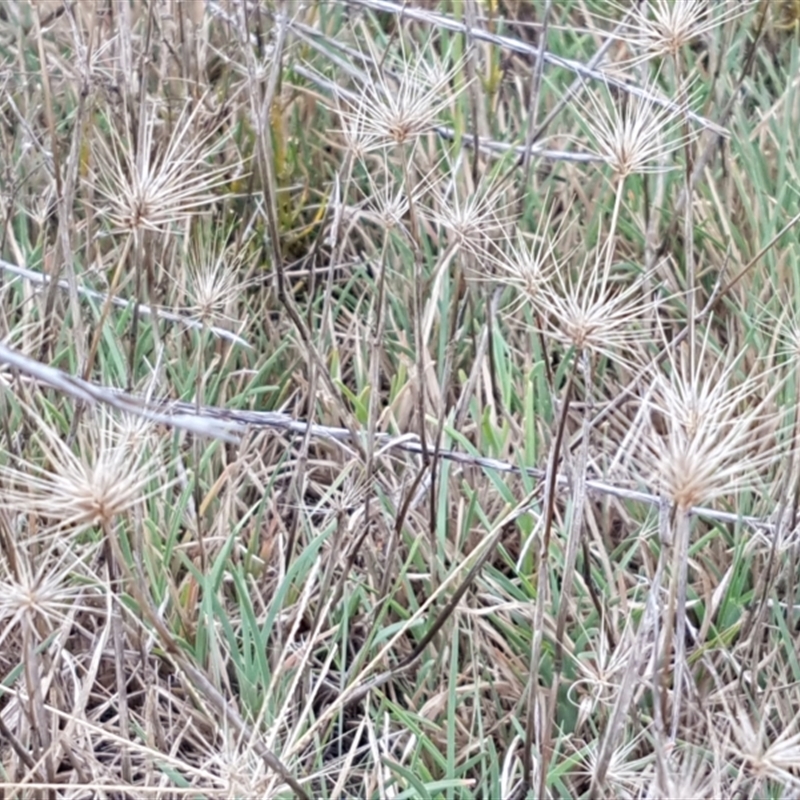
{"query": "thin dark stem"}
(551, 482)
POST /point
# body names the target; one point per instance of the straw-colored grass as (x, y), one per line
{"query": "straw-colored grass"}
(399, 399)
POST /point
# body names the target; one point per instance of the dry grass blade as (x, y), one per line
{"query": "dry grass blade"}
(170, 315)
(91, 393)
(228, 425)
(488, 503)
(515, 45)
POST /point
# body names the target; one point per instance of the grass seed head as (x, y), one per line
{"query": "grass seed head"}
(213, 283)
(396, 106)
(786, 327)
(770, 755)
(526, 264)
(690, 772)
(663, 27)
(389, 202)
(591, 313)
(75, 491)
(472, 217)
(38, 585)
(627, 771)
(634, 134)
(157, 185)
(713, 440)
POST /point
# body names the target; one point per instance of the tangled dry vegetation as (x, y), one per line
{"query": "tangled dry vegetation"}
(399, 399)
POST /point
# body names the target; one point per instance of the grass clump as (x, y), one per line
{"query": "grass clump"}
(398, 399)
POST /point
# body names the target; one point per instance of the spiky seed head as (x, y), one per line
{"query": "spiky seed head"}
(239, 767)
(594, 313)
(213, 282)
(663, 27)
(766, 753)
(388, 202)
(792, 341)
(713, 441)
(213, 288)
(471, 218)
(390, 205)
(634, 134)
(627, 771)
(787, 327)
(601, 668)
(395, 107)
(359, 139)
(690, 772)
(38, 585)
(526, 263)
(105, 476)
(159, 185)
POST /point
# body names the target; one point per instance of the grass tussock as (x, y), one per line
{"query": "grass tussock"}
(399, 399)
